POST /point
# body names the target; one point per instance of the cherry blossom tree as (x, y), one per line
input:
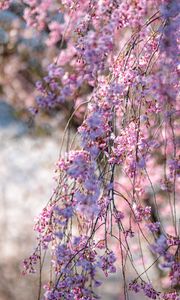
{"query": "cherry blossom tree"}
(117, 184)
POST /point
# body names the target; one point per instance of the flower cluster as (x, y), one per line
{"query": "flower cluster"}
(95, 132)
(80, 167)
(30, 263)
(153, 227)
(175, 274)
(124, 151)
(141, 212)
(36, 13)
(171, 296)
(160, 246)
(106, 263)
(146, 288)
